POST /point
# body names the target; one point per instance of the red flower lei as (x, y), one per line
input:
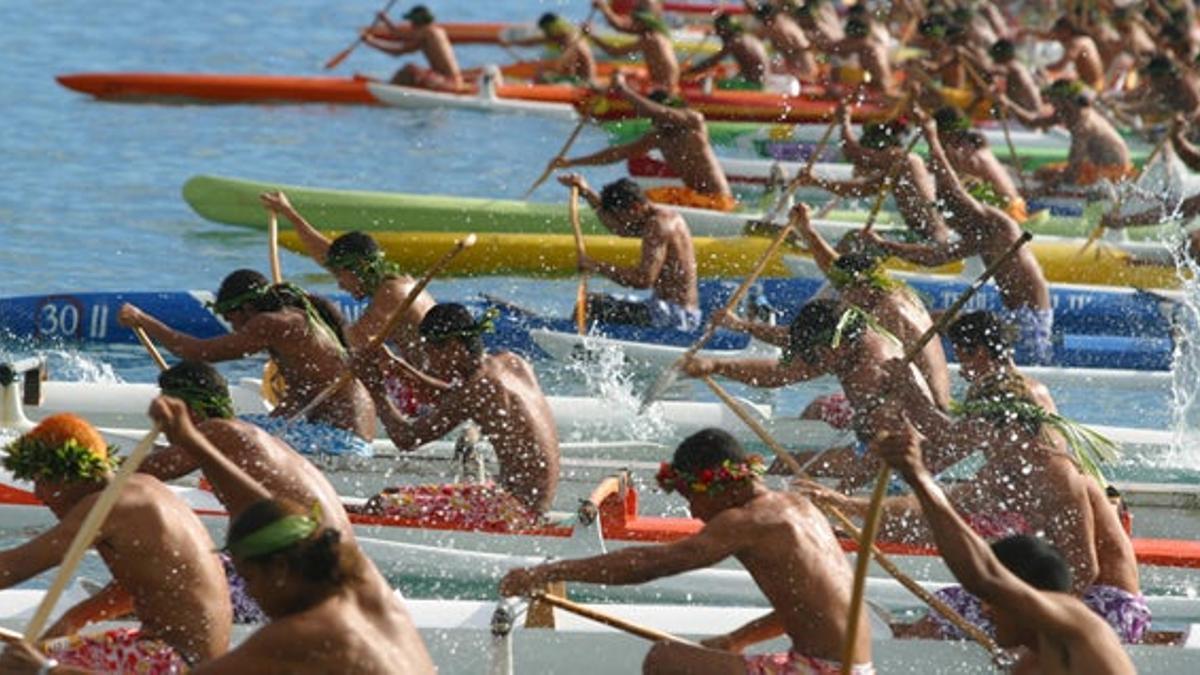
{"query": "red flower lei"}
(671, 479)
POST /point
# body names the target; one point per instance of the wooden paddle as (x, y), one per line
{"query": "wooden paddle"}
(871, 522)
(273, 246)
(378, 339)
(795, 183)
(645, 632)
(341, 56)
(87, 533)
(973, 631)
(581, 294)
(566, 147)
(667, 377)
(150, 348)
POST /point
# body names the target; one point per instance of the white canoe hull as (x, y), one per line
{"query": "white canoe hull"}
(464, 637)
(398, 96)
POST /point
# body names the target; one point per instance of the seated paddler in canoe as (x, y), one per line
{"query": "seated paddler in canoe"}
(575, 63)
(362, 270)
(988, 232)
(681, 135)
(828, 337)
(500, 393)
(781, 538)
(653, 45)
(747, 51)
(795, 51)
(877, 154)
(1097, 150)
(667, 266)
(864, 44)
(267, 459)
(1025, 583)
(303, 335)
(971, 156)
(1020, 87)
(330, 609)
(1041, 474)
(431, 40)
(858, 278)
(161, 558)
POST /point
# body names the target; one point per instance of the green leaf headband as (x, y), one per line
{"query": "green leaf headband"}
(33, 459)
(485, 324)
(1065, 89)
(278, 536)
(371, 269)
(204, 402)
(238, 301)
(654, 22)
(849, 326)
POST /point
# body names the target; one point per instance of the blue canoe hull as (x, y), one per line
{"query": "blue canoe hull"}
(1093, 328)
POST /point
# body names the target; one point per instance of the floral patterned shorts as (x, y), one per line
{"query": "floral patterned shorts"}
(793, 663)
(481, 507)
(117, 652)
(1128, 614)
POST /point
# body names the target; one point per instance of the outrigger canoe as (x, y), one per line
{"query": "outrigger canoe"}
(468, 637)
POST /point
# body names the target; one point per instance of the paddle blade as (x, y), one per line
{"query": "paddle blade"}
(339, 57)
(661, 384)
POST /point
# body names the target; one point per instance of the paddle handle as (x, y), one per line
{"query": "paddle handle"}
(273, 246)
(948, 315)
(812, 161)
(566, 147)
(150, 348)
(87, 533)
(740, 292)
(378, 339)
(581, 292)
(848, 525)
(341, 56)
(638, 630)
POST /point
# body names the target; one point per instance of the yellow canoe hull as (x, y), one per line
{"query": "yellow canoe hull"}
(553, 255)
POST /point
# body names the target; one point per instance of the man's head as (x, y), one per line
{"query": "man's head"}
(357, 261)
(1160, 69)
(453, 339)
(241, 295)
(201, 387)
(649, 22)
(856, 27)
(288, 560)
(554, 26)
(625, 200)
(64, 456)
(884, 138)
(726, 26)
(712, 471)
(933, 27)
(1064, 28)
(1002, 51)
(419, 15)
(664, 97)
(1068, 95)
(980, 340)
(820, 327)
(766, 12)
(1037, 563)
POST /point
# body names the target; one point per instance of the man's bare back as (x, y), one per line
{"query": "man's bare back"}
(676, 282)
(182, 599)
(687, 150)
(436, 47)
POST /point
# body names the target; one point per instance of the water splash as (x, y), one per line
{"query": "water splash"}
(607, 375)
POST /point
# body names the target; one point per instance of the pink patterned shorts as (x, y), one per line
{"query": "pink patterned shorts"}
(834, 410)
(793, 663)
(486, 507)
(118, 652)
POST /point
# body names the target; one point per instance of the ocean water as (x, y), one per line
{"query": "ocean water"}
(92, 202)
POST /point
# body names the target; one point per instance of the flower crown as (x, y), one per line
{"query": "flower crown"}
(671, 479)
(36, 459)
